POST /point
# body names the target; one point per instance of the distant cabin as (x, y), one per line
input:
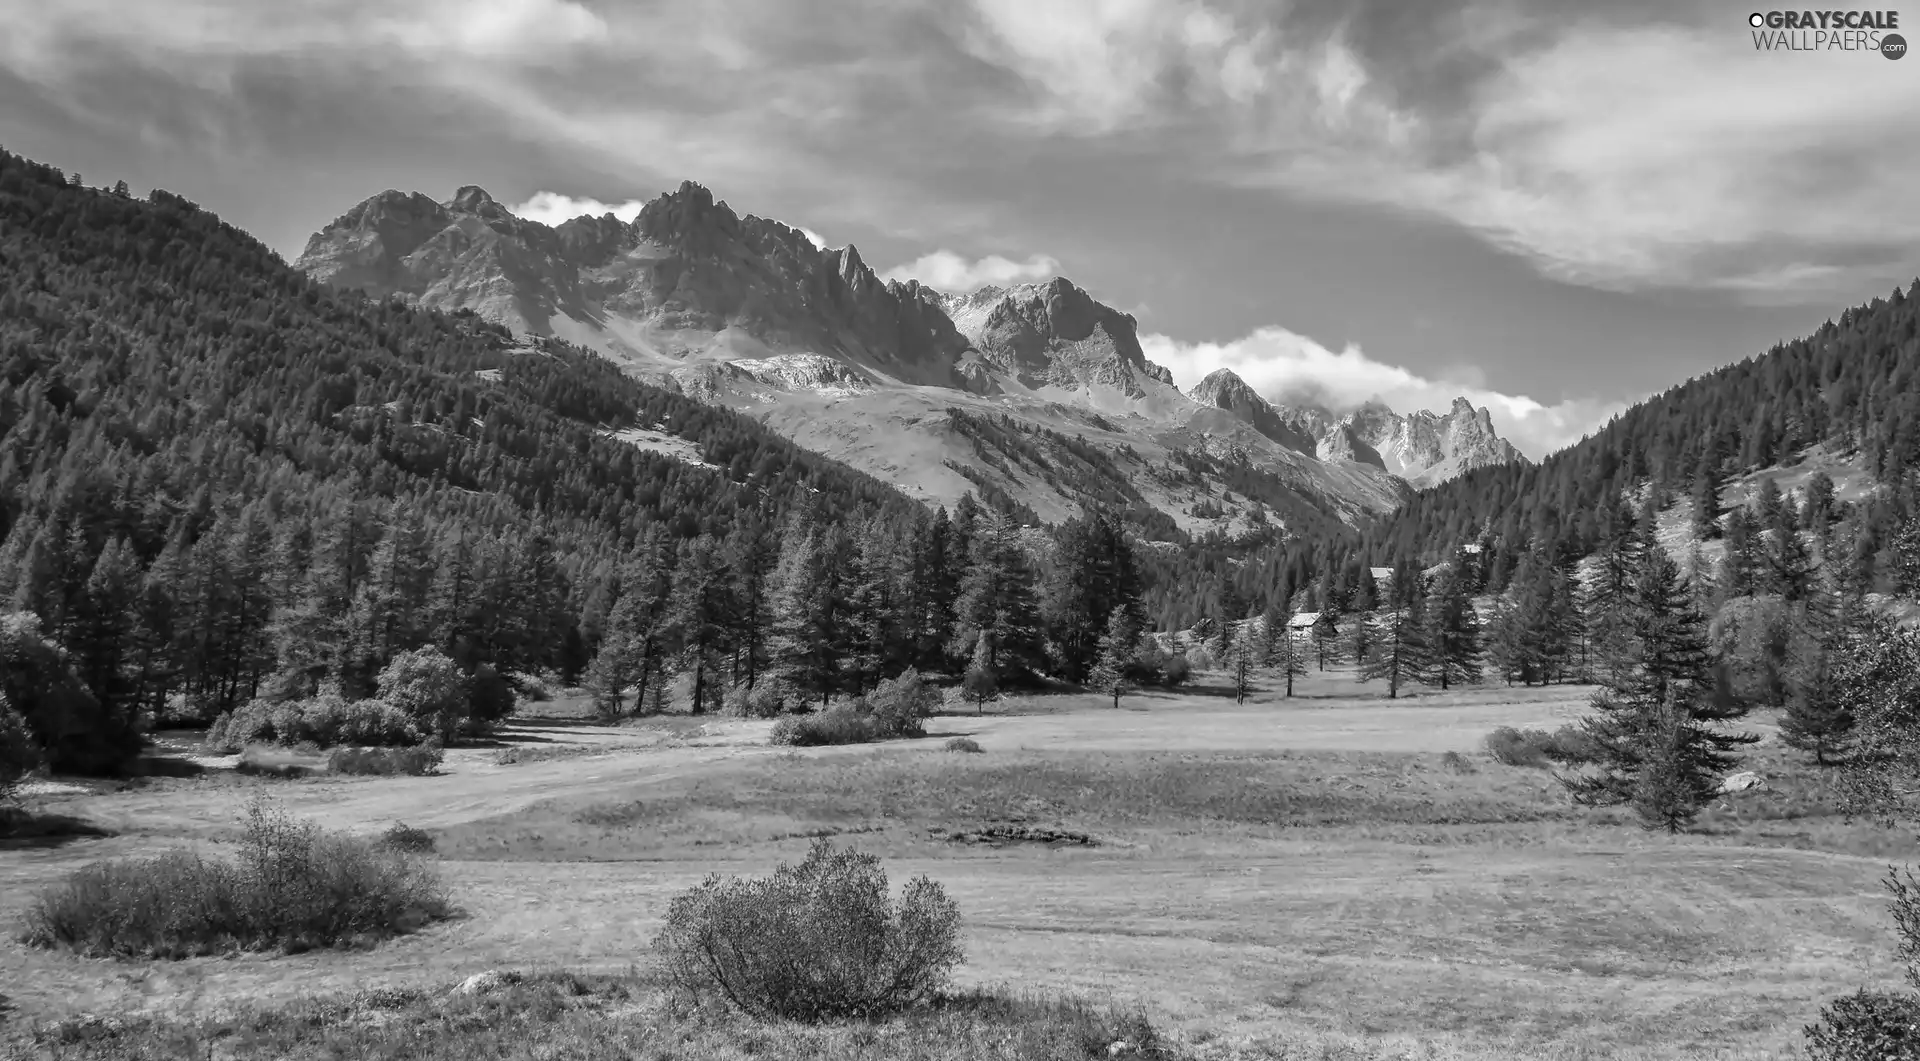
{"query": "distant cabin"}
(1381, 574)
(1471, 548)
(1303, 621)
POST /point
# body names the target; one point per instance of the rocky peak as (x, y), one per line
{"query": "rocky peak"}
(1224, 389)
(688, 218)
(471, 197)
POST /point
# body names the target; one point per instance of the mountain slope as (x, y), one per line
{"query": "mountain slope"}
(746, 313)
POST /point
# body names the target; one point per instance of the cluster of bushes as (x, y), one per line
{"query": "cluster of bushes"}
(895, 709)
(1567, 745)
(327, 720)
(822, 940)
(422, 696)
(386, 762)
(292, 886)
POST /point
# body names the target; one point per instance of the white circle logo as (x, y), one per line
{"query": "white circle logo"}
(1756, 20)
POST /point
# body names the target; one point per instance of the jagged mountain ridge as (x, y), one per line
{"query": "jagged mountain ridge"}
(746, 312)
(1422, 447)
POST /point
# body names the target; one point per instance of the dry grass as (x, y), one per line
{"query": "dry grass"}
(1261, 882)
(591, 1018)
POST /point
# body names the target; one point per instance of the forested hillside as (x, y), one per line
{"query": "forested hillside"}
(1854, 384)
(221, 481)
(1852, 388)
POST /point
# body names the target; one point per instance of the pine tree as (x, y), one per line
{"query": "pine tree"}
(998, 596)
(102, 633)
(1326, 636)
(699, 613)
(1282, 648)
(1243, 654)
(1706, 498)
(979, 683)
(1452, 634)
(1740, 570)
(812, 633)
(1117, 649)
(1667, 678)
(1401, 647)
(1507, 643)
(1817, 718)
(751, 556)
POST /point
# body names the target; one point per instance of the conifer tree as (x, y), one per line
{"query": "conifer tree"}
(1453, 647)
(979, 683)
(1740, 570)
(1507, 643)
(1400, 645)
(1326, 636)
(998, 596)
(1243, 654)
(1282, 647)
(1817, 718)
(1663, 706)
(699, 613)
(102, 633)
(812, 633)
(1118, 646)
(1706, 498)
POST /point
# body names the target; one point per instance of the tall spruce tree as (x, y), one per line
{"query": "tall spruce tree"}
(1663, 706)
(1454, 652)
(1400, 644)
(1118, 646)
(1282, 646)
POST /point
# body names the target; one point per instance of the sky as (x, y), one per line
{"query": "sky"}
(1552, 208)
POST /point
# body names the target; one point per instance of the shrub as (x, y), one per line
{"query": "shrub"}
(1867, 1026)
(1537, 747)
(258, 761)
(900, 705)
(490, 700)
(326, 720)
(404, 837)
(817, 941)
(292, 887)
(1177, 671)
(846, 724)
(17, 752)
(1457, 763)
(767, 698)
(417, 761)
(430, 688)
(962, 744)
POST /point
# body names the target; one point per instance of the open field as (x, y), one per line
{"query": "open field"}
(1263, 872)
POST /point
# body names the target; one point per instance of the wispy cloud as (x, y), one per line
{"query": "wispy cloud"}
(814, 238)
(1753, 172)
(1285, 366)
(552, 208)
(944, 270)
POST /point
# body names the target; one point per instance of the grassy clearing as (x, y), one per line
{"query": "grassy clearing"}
(1351, 797)
(1358, 794)
(1307, 903)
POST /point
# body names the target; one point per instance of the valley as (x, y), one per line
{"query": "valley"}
(1305, 872)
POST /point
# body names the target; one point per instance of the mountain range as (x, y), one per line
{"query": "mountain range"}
(1038, 395)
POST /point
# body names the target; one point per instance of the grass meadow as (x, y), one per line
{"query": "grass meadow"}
(1335, 876)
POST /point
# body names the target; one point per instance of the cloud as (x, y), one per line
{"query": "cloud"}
(944, 270)
(814, 238)
(1757, 173)
(1283, 366)
(552, 208)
